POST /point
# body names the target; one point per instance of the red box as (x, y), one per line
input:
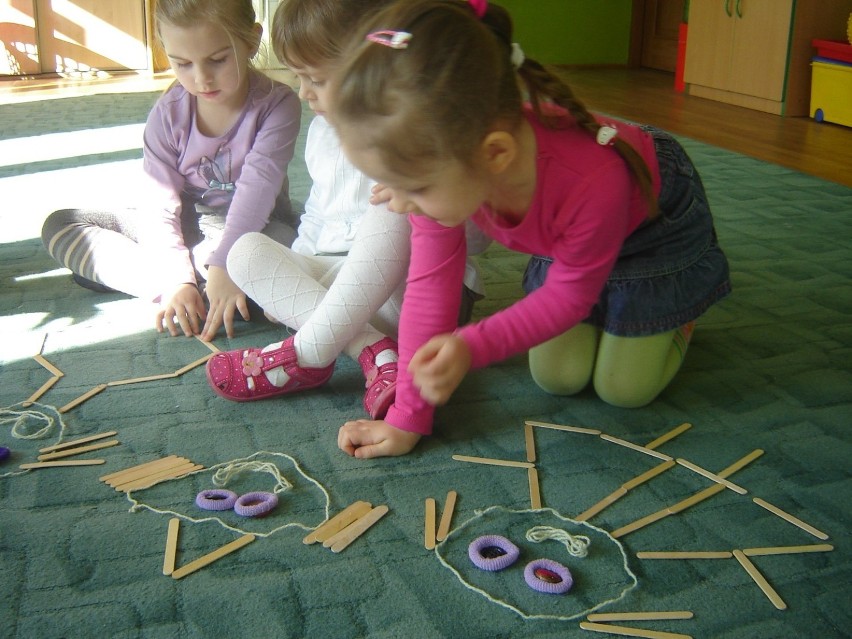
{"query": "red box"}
(833, 50)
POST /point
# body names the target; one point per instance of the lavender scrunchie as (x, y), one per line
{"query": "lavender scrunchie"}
(492, 552)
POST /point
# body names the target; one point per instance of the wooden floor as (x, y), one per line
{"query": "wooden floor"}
(647, 96)
(643, 95)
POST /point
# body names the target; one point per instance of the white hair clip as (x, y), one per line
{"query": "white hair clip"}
(392, 39)
(518, 56)
(606, 135)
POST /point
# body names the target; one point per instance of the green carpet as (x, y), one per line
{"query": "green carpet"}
(769, 368)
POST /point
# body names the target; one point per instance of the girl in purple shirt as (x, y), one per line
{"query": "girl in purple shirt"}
(430, 106)
(215, 154)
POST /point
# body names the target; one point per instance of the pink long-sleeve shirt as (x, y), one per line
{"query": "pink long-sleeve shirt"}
(243, 170)
(585, 204)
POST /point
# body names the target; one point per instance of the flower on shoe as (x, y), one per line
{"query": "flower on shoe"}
(252, 365)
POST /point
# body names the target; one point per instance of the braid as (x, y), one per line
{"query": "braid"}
(543, 87)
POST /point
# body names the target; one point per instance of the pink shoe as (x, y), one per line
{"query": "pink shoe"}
(381, 380)
(239, 375)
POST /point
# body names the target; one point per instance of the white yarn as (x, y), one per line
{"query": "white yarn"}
(22, 418)
(222, 476)
(577, 545)
(634, 581)
(243, 464)
(22, 421)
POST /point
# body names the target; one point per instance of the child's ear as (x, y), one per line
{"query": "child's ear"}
(258, 35)
(499, 149)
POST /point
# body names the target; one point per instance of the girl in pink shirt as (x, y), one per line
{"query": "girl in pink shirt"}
(215, 154)
(430, 106)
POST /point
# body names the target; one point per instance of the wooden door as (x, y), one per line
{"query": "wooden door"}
(760, 44)
(709, 45)
(660, 29)
(18, 38)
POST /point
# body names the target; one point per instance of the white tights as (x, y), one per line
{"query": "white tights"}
(335, 303)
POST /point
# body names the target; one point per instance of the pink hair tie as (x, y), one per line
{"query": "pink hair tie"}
(392, 39)
(479, 7)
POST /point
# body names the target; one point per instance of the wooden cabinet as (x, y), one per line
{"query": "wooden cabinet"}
(757, 53)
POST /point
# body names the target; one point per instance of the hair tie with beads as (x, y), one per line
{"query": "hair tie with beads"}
(606, 135)
(518, 56)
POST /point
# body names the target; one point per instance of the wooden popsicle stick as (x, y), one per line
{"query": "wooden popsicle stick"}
(689, 501)
(625, 487)
(144, 473)
(77, 442)
(139, 380)
(740, 464)
(148, 482)
(66, 462)
(648, 475)
(357, 528)
(120, 473)
(569, 429)
(662, 439)
(640, 523)
(332, 526)
(661, 615)
(429, 528)
(529, 440)
(625, 631)
(209, 558)
(760, 580)
(676, 554)
(447, 516)
(535, 491)
(164, 472)
(786, 550)
(190, 366)
(171, 546)
(790, 518)
(209, 345)
(79, 450)
(493, 462)
(641, 449)
(82, 398)
(711, 476)
(697, 498)
(41, 360)
(603, 503)
(41, 391)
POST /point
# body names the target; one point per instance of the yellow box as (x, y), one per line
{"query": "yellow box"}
(831, 92)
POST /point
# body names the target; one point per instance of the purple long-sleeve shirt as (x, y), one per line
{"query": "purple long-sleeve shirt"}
(243, 171)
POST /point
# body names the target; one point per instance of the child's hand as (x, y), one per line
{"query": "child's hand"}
(439, 366)
(181, 311)
(380, 194)
(225, 300)
(365, 439)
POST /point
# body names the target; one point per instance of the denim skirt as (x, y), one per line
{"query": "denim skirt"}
(671, 269)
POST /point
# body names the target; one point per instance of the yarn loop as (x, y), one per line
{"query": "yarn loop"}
(577, 545)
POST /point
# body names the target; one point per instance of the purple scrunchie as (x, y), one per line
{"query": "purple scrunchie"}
(492, 552)
(255, 504)
(548, 576)
(216, 499)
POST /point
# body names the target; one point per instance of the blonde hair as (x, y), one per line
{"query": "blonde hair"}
(439, 97)
(236, 17)
(315, 32)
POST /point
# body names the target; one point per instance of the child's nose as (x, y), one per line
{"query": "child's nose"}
(202, 76)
